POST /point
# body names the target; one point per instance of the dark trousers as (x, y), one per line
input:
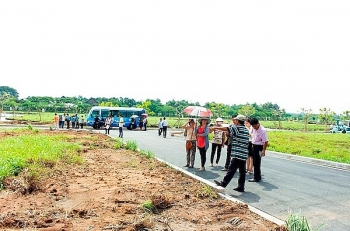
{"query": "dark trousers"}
(164, 130)
(203, 154)
(213, 150)
(257, 161)
(120, 132)
(68, 124)
(160, 131)
(232, 168)
(228, 156)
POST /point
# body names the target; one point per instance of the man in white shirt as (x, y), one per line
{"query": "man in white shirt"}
(121, 124)
(165, 127)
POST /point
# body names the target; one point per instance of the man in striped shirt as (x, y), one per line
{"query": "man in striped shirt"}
(239, 152)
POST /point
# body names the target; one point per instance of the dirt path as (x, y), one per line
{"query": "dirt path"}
(107, 193)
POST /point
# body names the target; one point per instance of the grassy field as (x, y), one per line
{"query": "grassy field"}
(33, 151)
(315, 143)
(328, 146)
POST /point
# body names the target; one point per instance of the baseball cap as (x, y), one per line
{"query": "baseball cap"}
(219, 119)
(239, 117)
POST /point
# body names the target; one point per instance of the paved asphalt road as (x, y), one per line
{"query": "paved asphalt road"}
(300, 185)
(316, 189)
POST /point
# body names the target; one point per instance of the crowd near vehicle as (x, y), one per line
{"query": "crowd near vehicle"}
(131, 116)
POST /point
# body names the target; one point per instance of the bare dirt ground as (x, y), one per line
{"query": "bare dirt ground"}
(107, 193)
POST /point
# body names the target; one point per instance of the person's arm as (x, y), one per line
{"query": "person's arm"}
(223, 138)
(266, 142)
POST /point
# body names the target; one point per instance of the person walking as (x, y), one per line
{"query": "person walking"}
(55, 121)
(160, 126)
(250, 148)
(165, 127)
(108, 124)
(121, 124)
(260, 142)
(217, 142)
(239, 153)
(190, 128)
(202, 133)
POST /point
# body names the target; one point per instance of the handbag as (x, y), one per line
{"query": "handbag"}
(188, 145)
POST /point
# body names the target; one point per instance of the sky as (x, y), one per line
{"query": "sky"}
(292, 53)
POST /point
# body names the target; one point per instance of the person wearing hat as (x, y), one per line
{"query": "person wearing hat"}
(260, 142)
(217, 142)
(190, 128)
(202, 132)
(239, 152)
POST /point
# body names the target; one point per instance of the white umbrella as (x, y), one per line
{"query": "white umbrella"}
(134, 116)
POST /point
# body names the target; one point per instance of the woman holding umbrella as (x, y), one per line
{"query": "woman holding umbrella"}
(202, 132)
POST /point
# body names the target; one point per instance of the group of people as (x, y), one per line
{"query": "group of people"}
(74, 121)
(246, 140)
(162, 127)
(107, 124)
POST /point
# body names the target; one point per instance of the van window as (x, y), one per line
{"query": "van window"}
(94, 113)
(104, 113)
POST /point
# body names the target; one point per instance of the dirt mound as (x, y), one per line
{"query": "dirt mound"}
(118, 190)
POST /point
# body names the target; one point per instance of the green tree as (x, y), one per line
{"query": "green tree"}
(13, 104)
(10, 91)
(326, 116)
(306, 115)
(146, 105)
(247, 110)
(4, 97)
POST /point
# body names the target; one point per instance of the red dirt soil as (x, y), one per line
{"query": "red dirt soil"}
(107, 193)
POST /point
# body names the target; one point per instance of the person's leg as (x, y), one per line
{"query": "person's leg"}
(257, 162)
(213, 150)
(122, 132)
(203, 157)
(218, 154)
(193, 153)
(164, 131)
(230, 172)
(241, 178)
(188, 158)
(228, 156)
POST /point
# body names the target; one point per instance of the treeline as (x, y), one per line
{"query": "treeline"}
(154, 107)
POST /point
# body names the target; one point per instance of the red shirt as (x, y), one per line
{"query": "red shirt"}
(201, 139)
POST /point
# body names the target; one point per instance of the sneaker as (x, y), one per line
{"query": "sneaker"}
(216, 165)
(186, 165)
(211, 165)
(190, 166)
(253, 180)
(201, 169)
(224, 169)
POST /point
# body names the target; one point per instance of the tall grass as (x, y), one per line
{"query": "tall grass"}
(333, 147)
(33, 151)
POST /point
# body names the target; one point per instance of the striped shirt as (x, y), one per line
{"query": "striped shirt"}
(240, 140)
